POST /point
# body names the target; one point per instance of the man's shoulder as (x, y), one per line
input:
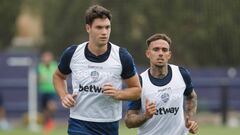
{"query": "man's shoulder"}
(114, 46)
(77, 45)
(173, 65)
(145, 72)
(72, 48)
(178, 67)
(111, 43)
(83, 44)
(122, 50)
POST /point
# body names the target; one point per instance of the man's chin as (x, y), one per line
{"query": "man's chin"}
(103, 42)
(160, 65)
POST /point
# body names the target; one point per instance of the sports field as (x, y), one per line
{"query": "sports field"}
(204, 130)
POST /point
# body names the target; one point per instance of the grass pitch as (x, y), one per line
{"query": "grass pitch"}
(204, 130)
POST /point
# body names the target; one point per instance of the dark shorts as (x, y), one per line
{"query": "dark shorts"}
(79, 127)
(45, 98)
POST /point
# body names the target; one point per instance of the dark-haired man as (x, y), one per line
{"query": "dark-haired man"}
(97, 68)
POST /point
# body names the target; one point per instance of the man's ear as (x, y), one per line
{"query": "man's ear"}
(147, 53)
(87, 26)
(170, 55)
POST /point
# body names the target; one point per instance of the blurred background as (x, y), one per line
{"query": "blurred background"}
(205, 35)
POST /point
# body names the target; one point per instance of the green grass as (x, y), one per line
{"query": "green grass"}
(204, 130)
(218, 130)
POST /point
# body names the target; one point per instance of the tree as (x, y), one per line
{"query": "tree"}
(9, 11)
(204, 33)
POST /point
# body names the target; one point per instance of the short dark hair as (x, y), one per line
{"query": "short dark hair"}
(96, 11)
(158, 36)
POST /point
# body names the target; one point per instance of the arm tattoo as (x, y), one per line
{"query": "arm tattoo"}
(134, 119)
(191, 104)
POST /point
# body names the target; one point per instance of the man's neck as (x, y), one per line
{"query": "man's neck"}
(159, 71)
(97, 49)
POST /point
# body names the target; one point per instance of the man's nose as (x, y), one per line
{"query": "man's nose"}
(104, 31)
(160, 53)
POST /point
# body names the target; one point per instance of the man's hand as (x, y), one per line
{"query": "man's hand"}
(191, 125)
(150, 109)
(111, 91)
(69, 100)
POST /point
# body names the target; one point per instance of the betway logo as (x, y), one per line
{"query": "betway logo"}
(162, 110)
(90, 88)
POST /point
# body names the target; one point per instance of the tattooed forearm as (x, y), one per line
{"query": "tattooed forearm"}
(134, 119)
(191, 104)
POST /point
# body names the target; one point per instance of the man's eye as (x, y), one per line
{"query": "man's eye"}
(155, 49)
(164, 49)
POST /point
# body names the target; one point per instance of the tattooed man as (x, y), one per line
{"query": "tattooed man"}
(160, 111)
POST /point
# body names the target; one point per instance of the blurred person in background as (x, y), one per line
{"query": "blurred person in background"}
(160, 111)
(46, 69)
(97, 68)
(4, 125)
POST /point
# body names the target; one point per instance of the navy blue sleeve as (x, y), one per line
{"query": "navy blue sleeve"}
(134, 105)
(128, 66)
(188, 81)
(64, 64)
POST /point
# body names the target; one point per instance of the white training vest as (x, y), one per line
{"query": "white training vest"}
(169, 118)
(87, 80)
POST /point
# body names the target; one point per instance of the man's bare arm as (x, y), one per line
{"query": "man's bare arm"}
(191, 107)
(134, 119)
(132, 92)
(60, 84)
(191, 104)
